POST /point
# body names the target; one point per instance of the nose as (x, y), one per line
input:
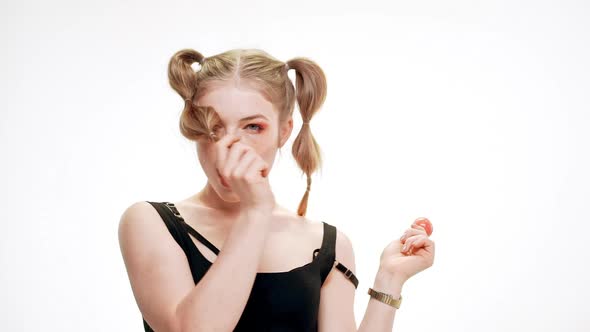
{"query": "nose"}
(235, 133)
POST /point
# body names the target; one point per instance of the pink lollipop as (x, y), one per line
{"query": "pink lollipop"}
(424, 222)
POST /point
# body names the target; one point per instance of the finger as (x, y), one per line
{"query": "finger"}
(411, 242)
(242, 168)
(418, 227)
(236, 151)
(222, 146)
(256, 169)
(423, 243)
(409, 232)
(424, 222)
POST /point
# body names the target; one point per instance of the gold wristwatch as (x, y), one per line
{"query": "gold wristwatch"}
(385, 298)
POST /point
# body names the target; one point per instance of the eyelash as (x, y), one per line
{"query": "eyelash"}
(255, 124)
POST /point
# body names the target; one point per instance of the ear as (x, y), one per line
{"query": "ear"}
(285, 131)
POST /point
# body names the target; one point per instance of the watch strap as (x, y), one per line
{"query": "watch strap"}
(385, 298)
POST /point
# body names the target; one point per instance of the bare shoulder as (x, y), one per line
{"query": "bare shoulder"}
(156, 265)
(136, 213)
(315, 228)
(344, 250)
(336, 311)
(138, 219)
(142, 234)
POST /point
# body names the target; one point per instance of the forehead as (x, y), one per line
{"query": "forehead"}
(233, 102)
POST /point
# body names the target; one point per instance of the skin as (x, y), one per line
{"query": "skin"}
(157, 267)
(233, 103)
(292, 237)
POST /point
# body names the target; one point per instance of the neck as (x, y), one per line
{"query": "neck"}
(209, 197)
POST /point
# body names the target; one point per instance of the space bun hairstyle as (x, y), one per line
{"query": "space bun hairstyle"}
(266, 74)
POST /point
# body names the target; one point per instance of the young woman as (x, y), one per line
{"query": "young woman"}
(229, 257)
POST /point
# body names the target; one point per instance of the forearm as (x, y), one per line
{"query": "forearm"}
(217, 301)
(379, 316)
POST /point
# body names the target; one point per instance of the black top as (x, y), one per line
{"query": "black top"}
(279, 301)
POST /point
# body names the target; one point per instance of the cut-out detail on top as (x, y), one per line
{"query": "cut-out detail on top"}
(328, 237)
(212, 247)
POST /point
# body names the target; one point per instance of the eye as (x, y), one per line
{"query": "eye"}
(258, 128)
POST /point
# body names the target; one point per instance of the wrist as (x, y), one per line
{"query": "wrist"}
(258, 208)
(257, 214)
(386, 282)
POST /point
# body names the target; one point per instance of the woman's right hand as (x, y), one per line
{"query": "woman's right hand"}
(410, 254)
(245, 172)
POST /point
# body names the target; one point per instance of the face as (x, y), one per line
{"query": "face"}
(246, 114)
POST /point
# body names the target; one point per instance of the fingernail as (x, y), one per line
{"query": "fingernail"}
(404, 247)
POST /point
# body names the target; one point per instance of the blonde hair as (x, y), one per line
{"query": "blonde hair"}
(269, 77)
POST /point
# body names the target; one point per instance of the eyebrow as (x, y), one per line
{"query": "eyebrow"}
(258, 115)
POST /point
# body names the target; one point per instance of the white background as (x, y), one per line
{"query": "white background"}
(474, 114)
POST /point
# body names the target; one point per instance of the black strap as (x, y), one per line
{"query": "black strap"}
(348, 274)
(327, 250)
(329, 256)
(191, 230)
(173, 227)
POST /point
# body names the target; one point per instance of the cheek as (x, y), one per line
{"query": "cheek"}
(207, 156)
(265, 144)
(263, 140)
(267, 151)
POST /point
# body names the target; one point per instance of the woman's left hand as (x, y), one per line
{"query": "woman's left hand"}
(410, 254)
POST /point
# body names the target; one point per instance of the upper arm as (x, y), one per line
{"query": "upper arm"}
(157, 267)
(337, 293)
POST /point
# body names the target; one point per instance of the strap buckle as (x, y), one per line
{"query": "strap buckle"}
(172, 208)
(348, 273)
